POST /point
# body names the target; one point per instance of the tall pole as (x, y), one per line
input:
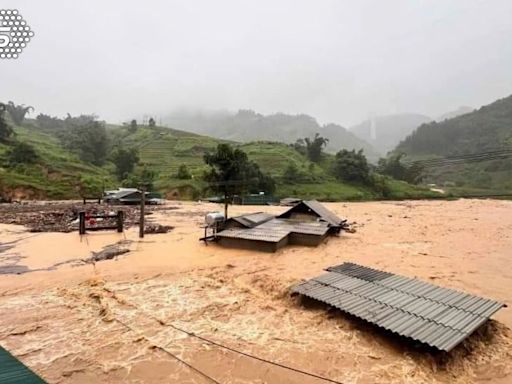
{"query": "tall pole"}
(142, 204)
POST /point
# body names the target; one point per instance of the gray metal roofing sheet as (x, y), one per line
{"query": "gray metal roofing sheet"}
(254, 219)
(257, 234)
(319, 209)
(323, 212)
(275, 230)
(439, 317)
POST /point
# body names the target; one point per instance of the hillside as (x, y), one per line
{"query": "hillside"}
(385, 132)
(166, 149)
(455, 113)
(247, 125)
(59, 173)
(55, 176)
(484, 130)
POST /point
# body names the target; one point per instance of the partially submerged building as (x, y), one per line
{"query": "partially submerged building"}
(131, 196)
(307, 223)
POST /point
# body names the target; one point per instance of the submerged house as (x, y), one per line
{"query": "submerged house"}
(125, 196)
(307, 223)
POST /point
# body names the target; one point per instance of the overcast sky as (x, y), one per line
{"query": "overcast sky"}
(339, 61)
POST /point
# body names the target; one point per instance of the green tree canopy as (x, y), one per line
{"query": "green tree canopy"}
(393, 166)
(132, 128)
(88, 137)
(232, 173)
(49, 123)
(125, 161)
(5, 129)
(351, 166)
(291, 174)
(22, 153)
(141, 178)
(312, 148)
(183, 173)
(90, 187)
(18, 112)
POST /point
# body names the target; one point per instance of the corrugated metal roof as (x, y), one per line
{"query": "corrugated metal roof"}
(296, 226)
(12, 371)
(439, 317)
(276, 229)
(254, 219)
(323, 212)
(319, 210)
(257, 234)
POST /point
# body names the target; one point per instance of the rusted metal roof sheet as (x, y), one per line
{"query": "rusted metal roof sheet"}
(439, 317)
(275, 230)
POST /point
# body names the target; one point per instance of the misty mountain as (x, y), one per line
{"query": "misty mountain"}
(247, 125)
(479, 133)
(385, 132)
(458, 112)
(485, 129)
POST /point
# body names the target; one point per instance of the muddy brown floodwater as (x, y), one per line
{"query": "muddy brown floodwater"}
(118, 321)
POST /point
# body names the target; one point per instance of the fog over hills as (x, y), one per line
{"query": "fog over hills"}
(458, 112)
(247, 125)
(375, 136)
(385, 132)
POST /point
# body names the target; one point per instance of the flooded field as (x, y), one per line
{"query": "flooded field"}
(132, 319)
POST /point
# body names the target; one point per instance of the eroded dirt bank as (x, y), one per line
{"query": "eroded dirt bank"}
(117, 321)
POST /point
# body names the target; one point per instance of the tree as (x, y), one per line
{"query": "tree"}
(393, 166)
(266, 183)
(143, 178)
(183, 173)
(90, 187)
(133, 126)
(231, 173)
(300, 146)
(5, 129)
(88, 137)
(315, 146)
(351, 166)
(125, 161)
(22, 153)
(291, 174)
(49, 123)
(18, 112)
(151, 122)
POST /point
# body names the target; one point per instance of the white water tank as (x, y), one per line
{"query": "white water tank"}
(214, 218)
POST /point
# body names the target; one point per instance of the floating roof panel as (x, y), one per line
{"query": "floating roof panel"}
(439, 317)
(12, 371)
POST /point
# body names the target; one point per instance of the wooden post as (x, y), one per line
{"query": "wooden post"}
(120, 221)
(81, 225)
(142, 204)
(225, 206)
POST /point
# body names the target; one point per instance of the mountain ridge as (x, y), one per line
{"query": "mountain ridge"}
(247, 125)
